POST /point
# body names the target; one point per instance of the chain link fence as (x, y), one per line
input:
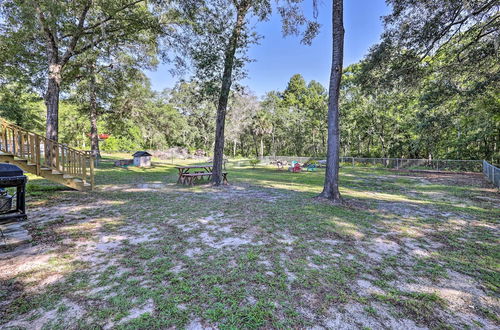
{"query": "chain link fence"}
(492, 173)
(397, 163)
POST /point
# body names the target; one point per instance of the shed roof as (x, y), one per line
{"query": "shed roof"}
(141, 154)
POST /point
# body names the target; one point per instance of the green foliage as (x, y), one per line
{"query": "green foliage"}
(398, 102)
(119, 144)
(21, 107)
(432, 81)
(74, 127)
(254, 162)
(32, 32)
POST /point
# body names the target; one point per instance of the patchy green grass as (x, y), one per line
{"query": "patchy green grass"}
(409, 249)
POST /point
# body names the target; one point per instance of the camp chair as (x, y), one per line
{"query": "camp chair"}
(311, 167)
(296, 168)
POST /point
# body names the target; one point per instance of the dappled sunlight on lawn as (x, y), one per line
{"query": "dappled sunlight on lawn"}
(347, 229)
(147, 250)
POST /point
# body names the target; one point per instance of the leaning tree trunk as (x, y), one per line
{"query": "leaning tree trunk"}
(94, 136)
(223, 97)
(331, 187)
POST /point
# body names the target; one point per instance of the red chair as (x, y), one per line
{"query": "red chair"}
(296, 168)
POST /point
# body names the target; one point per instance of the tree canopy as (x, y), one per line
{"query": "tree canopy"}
(428, 89)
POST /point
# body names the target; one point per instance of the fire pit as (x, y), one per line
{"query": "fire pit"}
(12, 176)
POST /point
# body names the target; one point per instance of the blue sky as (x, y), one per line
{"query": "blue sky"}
(277, 58)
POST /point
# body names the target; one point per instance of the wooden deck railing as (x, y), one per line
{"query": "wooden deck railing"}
(46, 153)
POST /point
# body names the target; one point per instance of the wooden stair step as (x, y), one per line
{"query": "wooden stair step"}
(20, 154)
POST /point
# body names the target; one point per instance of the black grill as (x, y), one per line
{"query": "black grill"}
(12, 176)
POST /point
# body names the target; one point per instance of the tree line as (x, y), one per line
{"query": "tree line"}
(428, 89)
(290, 122)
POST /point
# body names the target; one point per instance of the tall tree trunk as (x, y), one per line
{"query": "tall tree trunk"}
(52, 104)
(224, 96)
(323, 142)
(331, 186)
(94, 136)
(261, 147)
(52, 101)
(256, 146)
(273, 145)
(234, 148)
(314, 145)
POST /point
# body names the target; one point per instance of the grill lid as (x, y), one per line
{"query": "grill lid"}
(9, 170)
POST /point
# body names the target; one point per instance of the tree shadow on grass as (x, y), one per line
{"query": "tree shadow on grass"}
(276, 212)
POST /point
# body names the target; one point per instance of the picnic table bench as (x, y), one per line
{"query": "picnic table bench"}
(188, 178)
(185, 177)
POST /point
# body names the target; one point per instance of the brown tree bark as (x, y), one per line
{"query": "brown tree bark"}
(57, 60)
(94, 135)
(56, 64)
(224, 94)
(331, 185)
(52, 100)
(273, 146)
(255, 145)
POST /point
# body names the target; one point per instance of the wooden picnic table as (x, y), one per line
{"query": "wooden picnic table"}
(185, 170)
(185, 176)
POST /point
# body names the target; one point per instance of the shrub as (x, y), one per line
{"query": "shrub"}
(254, 162)
(119, 144)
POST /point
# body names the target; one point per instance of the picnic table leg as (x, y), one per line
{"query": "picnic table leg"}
(179, 180)
(209, 170)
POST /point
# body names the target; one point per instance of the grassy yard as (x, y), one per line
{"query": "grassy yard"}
(411, 250)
